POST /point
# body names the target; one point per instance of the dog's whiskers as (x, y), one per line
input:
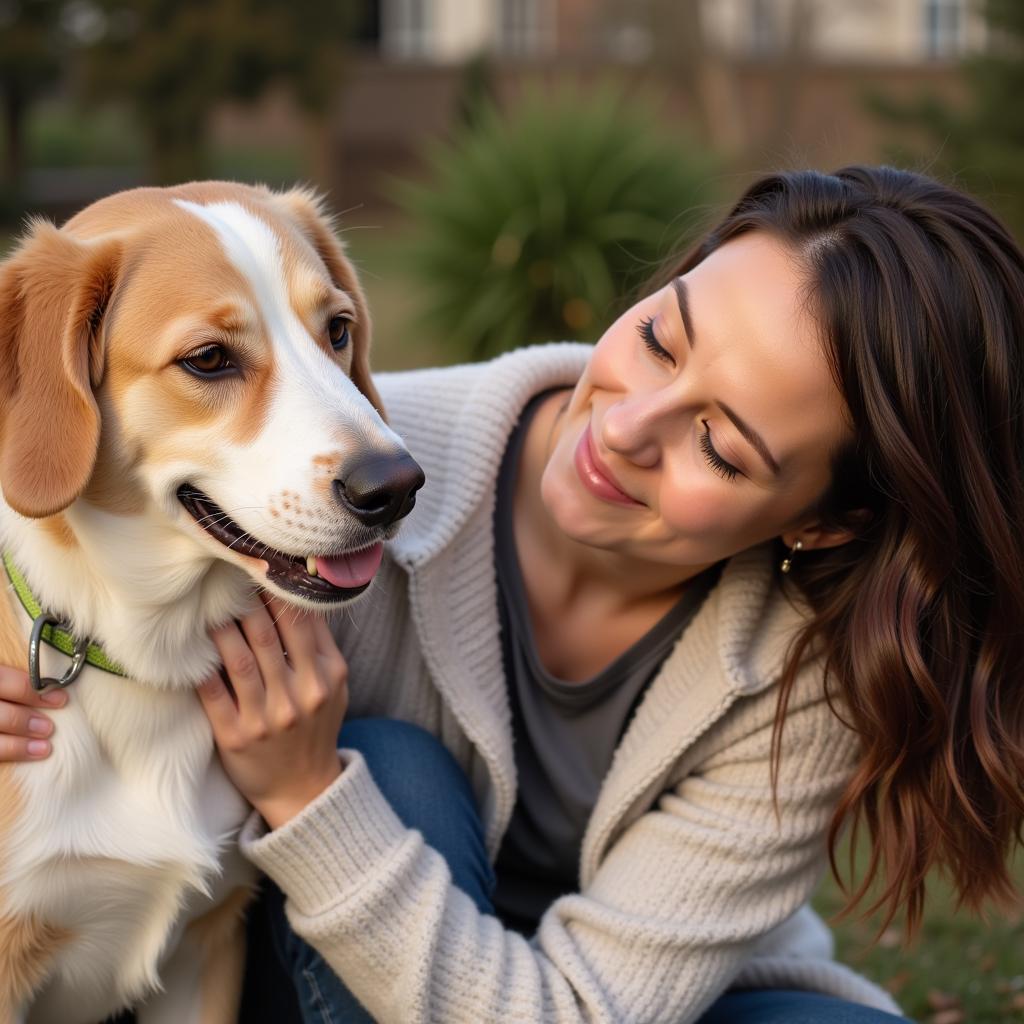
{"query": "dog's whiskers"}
(238, 540)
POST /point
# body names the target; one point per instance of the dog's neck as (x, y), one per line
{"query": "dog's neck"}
(136, 585)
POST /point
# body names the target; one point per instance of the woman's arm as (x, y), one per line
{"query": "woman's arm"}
(669, 921)
(25, 730)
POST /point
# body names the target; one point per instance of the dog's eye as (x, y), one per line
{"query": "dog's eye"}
(337, 330)
(208, 362)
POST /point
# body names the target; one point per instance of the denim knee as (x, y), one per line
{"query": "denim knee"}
(790, 1006)
(429, 792)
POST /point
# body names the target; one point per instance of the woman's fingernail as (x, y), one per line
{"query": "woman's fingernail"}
(38, 748)
(58, 698)
(40, 726)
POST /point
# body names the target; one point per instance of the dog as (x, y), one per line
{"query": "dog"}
(186, 416)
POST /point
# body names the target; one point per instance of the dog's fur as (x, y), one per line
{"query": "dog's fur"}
(120, 884)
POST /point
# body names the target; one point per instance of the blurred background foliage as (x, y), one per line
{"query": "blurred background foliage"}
(540, 223)
(168, 63)
(547, 165)
(979, 143)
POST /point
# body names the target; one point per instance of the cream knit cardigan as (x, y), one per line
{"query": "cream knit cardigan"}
(689, 882)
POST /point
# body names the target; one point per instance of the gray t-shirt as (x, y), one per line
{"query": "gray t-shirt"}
(565, 733)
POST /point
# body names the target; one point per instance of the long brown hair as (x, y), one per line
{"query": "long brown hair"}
(919, 293)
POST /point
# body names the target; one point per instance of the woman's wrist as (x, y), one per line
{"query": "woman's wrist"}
(278, 809)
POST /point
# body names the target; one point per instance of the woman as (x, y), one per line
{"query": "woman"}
(752, 572)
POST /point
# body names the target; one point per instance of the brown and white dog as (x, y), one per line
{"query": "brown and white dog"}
(186, 415)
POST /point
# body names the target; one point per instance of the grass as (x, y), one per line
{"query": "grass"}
(958, 969)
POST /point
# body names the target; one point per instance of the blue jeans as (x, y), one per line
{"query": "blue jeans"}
(429, 792)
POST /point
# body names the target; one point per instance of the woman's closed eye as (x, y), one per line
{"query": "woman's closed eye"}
(724, 469)
(646, 331)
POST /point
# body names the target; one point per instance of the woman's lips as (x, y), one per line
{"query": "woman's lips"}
(595, 476)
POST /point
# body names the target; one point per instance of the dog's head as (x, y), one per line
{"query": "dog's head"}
(200, 354)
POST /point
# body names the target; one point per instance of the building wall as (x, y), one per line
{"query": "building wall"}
(453, 31)
(885, 31)
(389, 112)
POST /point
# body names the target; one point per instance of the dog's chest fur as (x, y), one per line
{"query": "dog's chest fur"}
(126, 832)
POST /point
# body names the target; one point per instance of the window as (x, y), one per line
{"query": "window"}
(407, 28)
(943, 28)
(523, 30)
(764, 27)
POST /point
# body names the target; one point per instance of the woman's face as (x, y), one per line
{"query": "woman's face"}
(706, 418)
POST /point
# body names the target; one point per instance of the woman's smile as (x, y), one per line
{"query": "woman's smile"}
(595, 475)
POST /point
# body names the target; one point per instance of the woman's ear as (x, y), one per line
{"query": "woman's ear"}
(306, 210)
(54, 291)
(815, 536)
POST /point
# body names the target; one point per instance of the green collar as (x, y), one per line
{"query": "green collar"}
(54, 635)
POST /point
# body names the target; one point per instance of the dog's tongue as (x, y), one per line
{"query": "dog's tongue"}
(353, 570)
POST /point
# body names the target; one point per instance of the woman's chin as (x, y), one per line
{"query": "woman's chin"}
(575, 518)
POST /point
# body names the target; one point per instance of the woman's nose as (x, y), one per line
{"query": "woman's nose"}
(634, 427)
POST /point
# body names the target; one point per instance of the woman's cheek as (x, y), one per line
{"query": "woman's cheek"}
(695, 507)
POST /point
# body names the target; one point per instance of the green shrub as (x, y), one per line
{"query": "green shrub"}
(62, 134)
(535, 225)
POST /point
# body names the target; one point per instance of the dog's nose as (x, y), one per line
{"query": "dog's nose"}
(380, 490)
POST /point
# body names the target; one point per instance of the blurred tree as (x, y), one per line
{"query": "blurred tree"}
(305, 46)
(175, 59)
(684, 51)
(979, 143)
(30, 61)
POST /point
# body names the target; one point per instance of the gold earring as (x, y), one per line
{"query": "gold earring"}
(787, 562)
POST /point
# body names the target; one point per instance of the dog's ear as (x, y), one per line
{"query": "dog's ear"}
(54, 291)
(306, 209)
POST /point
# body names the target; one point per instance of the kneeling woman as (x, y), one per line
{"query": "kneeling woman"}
(677, 608)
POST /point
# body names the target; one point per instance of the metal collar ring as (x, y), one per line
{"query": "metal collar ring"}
(78, 657)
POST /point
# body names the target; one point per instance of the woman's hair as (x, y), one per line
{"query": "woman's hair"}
(919, 294)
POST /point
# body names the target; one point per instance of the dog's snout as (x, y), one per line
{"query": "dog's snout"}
(380, 490)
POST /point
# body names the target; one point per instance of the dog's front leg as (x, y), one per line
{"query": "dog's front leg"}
(27, 949)
(202, 980)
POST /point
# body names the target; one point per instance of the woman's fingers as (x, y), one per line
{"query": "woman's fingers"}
(332, 662)
(14, 686)
(24, 730)
(261, 633)
(242, 670)
(274, 689)
(221, 710)
(295, 629)
(18, 748)
(18, 720)
(320, 671)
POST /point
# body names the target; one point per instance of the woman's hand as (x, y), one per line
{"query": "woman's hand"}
(277, 732)
(23, 728)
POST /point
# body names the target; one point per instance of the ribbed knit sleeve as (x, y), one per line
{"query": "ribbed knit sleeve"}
(669, 920)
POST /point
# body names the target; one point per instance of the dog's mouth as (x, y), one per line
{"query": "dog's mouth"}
(317, 578)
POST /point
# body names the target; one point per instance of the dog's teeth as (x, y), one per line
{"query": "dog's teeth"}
(311, 565)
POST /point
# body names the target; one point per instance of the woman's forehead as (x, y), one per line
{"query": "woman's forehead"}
(756, 286)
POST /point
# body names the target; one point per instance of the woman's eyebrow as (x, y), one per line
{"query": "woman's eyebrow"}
(683, 298)
(753, 438)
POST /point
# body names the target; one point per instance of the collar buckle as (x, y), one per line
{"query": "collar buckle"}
(78, 656)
